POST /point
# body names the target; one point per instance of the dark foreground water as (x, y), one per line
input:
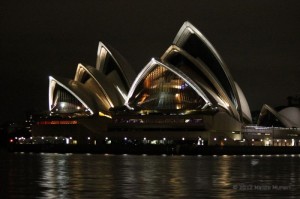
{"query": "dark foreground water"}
(129, 176)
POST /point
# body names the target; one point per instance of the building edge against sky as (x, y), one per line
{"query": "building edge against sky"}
(187, 94)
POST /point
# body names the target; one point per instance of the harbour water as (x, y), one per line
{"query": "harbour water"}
(50, 175)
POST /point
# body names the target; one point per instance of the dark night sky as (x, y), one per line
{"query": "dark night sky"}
(259, 40)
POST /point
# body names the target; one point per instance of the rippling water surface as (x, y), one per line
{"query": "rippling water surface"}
(130, 176)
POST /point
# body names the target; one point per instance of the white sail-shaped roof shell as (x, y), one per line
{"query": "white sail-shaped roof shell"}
(292, 114)
(190, 39)
(203, 76)
(116, 69)
(106, 92)
(74, 88)
(288, 116)
(153, 63)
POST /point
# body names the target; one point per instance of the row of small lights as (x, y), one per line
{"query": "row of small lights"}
(269, 140)
(106, 138)
(225, 139)
(23, 138)
(125, 138)
(215, 139)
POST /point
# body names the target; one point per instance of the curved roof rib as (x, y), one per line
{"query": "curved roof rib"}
(202, 75)
(72, 87)
(244, 104)
(151, 65)
(190, 39)
(106, 91)
(115, 68)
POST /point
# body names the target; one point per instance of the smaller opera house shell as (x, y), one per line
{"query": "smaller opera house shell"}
(188, 93)
(287, 117)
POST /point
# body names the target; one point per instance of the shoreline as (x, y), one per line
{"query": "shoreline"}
(155, 149)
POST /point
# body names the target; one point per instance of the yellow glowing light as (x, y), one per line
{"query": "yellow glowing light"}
(176, 86)
(104, 115)
(143, 98)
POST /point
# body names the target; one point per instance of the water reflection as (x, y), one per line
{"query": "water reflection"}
(55, 177)
(120, 176)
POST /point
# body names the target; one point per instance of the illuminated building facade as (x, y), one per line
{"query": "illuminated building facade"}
(188, 94)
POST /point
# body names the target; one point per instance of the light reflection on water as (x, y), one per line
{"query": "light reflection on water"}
(120, 176)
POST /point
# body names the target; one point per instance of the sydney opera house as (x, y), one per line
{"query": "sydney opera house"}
(188, 94)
